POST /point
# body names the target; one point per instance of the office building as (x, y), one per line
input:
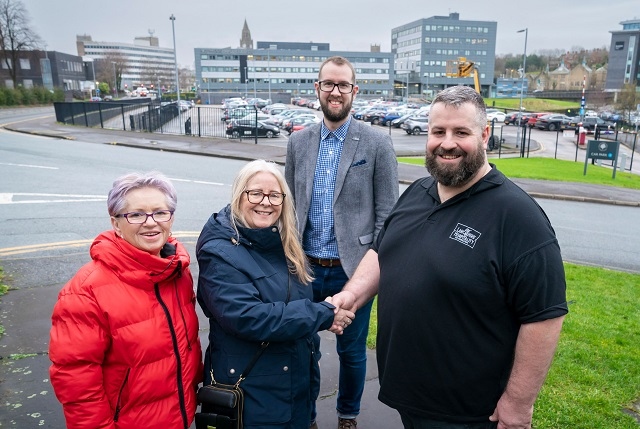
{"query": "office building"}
(143, 62)
(422, 49)
(624, 57)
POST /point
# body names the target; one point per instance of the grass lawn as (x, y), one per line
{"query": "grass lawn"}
(596, 371)
(554, 169)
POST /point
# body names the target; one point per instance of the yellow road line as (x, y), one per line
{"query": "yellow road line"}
(32, 248)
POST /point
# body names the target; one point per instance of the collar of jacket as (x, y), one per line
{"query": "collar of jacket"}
(137, 267)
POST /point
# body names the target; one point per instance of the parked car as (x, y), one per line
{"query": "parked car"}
(512, 118)
(589, 124)
(416, 125)
(298, 127)
(236, 129)
(533, 118)
(397, 123)
(95, 99)
(553, 122)
(298, 120)
(286, 124)
(236, 113)
(497, 115)
(184, 105)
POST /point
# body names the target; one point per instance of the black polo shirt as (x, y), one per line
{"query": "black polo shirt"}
(456, 282)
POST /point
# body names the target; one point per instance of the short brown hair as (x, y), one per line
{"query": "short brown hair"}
(339, 61)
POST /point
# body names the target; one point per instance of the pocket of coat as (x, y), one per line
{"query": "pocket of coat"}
(268, 391)
(366, 239)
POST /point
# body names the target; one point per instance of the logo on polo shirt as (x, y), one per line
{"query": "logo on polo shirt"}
(465, 235)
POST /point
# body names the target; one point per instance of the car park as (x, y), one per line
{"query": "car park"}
(416, 125)
(286, 124)
(552, 122)
(237, 129)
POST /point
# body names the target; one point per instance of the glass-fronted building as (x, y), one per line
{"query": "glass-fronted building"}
(624, 57)
(421, 50)
(284, 67)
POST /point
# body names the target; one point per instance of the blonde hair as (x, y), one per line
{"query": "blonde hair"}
(296, 258)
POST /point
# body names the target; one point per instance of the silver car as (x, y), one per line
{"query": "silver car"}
(416, 125)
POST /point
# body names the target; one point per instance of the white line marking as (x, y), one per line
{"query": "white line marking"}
(28, 165)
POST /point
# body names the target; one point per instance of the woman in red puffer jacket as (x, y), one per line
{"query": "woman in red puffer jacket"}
(124, 338)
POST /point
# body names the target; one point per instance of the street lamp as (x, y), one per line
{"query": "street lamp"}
(115, 78)
(175, 58)
(175, 63)
(524, 73)
(246, 83)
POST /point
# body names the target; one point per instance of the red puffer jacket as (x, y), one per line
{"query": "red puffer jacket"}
(124, 339)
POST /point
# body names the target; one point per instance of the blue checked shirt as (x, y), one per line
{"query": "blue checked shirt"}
(319, 238)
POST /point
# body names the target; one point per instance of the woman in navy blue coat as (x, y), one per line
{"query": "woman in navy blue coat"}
(254, 287)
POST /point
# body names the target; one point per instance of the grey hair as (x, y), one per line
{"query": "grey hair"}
(458, 95)
(116, 201)
(339, 61)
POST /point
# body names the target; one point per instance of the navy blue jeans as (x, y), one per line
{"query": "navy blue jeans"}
(351, 346)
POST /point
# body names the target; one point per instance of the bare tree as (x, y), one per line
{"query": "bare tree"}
(16, 35)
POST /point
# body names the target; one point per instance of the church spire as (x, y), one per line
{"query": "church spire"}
(246, 41)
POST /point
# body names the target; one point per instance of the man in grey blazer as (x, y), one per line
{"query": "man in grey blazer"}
(344, 179)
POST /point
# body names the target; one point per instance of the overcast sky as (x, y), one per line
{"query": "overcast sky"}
(352, 25)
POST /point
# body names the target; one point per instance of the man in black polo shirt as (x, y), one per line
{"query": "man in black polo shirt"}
(470, 283)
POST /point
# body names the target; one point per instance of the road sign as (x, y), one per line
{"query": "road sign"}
(601, 149)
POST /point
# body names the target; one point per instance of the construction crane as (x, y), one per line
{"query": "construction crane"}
(463, 68)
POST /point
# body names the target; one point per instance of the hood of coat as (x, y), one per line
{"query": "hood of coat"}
(137, 267)
(218, 227)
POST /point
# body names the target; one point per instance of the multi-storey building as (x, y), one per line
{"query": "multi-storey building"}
(422, 48)
(283, 67)
(144, 62)
(48, 69)
(624, 57)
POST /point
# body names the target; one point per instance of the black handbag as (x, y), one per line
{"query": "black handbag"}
(223, 404)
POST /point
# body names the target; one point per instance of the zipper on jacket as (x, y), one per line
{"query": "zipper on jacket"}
(176, 351)
(116, 416)
(184, 321)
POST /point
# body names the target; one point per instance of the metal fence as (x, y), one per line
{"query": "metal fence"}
(147, 117)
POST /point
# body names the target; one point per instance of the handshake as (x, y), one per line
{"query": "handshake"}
(344, 312)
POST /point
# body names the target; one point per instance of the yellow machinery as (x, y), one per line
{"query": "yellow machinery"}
(463, 68)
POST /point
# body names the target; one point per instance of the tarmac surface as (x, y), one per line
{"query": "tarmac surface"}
(373, 414)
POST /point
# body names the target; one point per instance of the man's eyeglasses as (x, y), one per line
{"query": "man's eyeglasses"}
(256, 197)
(140, 217)
(343, 87)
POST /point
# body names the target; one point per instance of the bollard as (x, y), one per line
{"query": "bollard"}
(623, 161)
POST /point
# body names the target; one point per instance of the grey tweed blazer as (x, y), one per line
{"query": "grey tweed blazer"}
(366, 185)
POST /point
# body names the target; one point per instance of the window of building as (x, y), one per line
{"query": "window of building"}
(25, 64)
(4, 64)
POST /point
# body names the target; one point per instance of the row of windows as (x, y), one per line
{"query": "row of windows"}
(456, 40)
(409, 42)
(456, 28)
(314, 70)
(102, 48)
(296, 58)
(228, 80)
(406, 32)
(149, 57)
(455, 53)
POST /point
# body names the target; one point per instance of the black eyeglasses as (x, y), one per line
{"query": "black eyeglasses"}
(343, 87)
(256, 197)
(140, 217)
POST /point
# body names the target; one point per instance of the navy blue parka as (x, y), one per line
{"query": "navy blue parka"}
(246, 291)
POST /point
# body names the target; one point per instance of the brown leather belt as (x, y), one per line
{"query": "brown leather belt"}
(324, 262)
